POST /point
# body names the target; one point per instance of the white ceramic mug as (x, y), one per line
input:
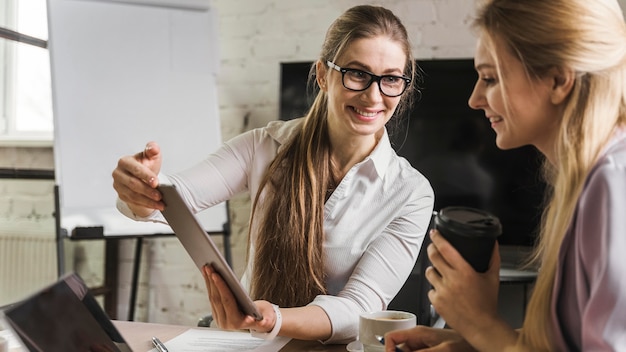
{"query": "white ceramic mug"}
(375, 324)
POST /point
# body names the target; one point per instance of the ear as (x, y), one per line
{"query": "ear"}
(562, 83)
(320, 75)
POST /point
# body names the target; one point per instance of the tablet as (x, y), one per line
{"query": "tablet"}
(198, 243)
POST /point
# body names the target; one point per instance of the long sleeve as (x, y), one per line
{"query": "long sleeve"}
(602, 244)
(374, 224)
(590, 292)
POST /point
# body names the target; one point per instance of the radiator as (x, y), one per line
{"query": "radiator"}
(27, 264)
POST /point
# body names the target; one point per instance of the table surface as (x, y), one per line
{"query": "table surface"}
(138, 336)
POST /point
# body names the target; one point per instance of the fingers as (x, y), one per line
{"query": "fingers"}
(397, 337)
(136, 177)
(151, 150)
(135, 192)
(126, 184)
(141, 167)
(439, 264)
(427, 339)
(144, 165)
(411, 339)
(444, 253)
(448, 266)
(217, 309)
(433, 276)
(134, 169)
(223, 303)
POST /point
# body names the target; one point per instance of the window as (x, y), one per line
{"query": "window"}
(25, 86)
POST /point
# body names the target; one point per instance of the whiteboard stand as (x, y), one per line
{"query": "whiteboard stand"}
(108, 289)
(225, 233)
(125, 72)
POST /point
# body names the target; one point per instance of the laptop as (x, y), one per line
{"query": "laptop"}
(64, 317)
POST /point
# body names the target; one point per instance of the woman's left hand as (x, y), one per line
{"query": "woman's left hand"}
(466, 299)
(425, 338)
(226, 312)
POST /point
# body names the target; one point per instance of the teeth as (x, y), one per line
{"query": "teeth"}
(495, 119)
(366, 114)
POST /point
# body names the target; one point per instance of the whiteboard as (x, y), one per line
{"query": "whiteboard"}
(125, 73)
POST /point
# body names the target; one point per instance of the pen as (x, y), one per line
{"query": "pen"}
(382, 341)
(158, 345)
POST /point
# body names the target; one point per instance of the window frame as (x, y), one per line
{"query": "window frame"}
(9, 135)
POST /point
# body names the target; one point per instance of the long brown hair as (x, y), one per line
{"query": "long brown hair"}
(589, 38)
(289, 261)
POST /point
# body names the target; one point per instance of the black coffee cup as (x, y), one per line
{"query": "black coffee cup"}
(472, 232)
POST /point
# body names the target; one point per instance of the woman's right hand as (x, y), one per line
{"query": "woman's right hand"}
(135, 180)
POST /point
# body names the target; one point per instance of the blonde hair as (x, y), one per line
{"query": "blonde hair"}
(289, 262)
(589, 38)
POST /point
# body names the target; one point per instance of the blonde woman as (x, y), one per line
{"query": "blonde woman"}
(552, 74)
(338, 217)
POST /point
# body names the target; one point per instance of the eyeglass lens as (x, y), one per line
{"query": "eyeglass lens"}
(360, 80)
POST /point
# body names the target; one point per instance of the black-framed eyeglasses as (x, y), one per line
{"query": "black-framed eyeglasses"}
(359, 80)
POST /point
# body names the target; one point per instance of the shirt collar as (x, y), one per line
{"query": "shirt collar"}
(281, 131)
(381, 155)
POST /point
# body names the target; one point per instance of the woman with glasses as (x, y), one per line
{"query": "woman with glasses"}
(551, 74)
(337, 217)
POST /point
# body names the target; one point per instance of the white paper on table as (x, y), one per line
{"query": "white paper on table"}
(12, 340)
(213, 340)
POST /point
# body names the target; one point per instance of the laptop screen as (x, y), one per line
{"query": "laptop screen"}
(64, 317)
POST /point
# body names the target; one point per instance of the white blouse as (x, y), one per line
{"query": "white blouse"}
(375, 220)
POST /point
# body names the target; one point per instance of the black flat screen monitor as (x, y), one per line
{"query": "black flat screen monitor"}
(453, 146)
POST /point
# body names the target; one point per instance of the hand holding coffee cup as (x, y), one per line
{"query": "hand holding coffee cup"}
(373, 325)
(472, 232)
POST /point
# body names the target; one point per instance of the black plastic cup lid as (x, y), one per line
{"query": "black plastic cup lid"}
(469, 222)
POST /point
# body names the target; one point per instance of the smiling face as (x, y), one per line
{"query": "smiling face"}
(520, 109)
(362, 115)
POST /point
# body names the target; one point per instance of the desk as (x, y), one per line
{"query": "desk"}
(138, 336)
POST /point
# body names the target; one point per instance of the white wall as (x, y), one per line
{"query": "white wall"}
(255, 37)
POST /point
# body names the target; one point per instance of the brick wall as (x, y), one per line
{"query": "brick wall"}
(255, 37)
